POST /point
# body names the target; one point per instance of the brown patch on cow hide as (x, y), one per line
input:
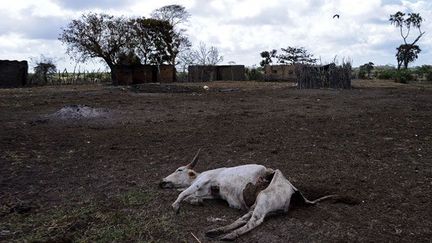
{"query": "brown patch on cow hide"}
(251, 191)
(249, 194)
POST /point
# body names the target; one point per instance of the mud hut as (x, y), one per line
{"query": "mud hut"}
(280, 73)
(138, 74)
(205, 73)
(13, 73)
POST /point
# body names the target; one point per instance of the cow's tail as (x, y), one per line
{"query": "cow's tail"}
(320, 199)
(313, 202)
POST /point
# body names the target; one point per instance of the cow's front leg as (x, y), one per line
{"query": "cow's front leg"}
(194, 200)
(187, 193)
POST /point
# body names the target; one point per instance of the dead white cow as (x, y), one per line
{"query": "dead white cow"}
(262, 190)
(224, 183)
(275, 198)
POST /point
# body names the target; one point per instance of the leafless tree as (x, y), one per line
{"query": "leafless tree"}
(204, 55)
(185, 59)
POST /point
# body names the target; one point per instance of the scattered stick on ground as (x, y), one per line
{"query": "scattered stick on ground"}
(196, 238)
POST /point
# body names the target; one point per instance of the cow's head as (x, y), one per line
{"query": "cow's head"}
(182, 177)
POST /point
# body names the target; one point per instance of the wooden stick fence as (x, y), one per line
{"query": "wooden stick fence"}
(326, 76)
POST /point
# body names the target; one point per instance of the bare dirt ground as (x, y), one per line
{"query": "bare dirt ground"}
(95, 179)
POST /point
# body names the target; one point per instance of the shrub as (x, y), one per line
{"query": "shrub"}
(387, 74)
(425, 71)
(182, 76)
(362, 74)
(429, 76)
(404, 76)
(254, 73)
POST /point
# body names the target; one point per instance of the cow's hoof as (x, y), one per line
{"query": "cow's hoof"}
(176, 208)
(213, 233)
(228, 238)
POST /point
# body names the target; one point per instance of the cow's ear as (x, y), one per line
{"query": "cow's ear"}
(191, 174)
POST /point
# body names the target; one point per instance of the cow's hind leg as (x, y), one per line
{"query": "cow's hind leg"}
(256, 219)
(224, 229)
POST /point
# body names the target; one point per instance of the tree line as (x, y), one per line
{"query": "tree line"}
(406, 53)
(157, 40)
(160, 39)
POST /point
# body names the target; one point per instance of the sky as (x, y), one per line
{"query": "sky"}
(240, 29)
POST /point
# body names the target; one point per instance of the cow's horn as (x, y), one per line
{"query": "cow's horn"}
(192, 164)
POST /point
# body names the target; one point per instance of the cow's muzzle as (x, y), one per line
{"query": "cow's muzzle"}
(166, 184)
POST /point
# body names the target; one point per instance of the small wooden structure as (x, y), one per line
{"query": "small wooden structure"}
(138, 74)
(13, 73)
(205, 73)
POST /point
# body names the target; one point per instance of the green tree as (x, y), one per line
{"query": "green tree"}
(154, 40)
(44, 67)
(295, 55)
(176, 16)
(98, 36)
(267, 57)
(118, 40)
(408, 51)
(366, 69)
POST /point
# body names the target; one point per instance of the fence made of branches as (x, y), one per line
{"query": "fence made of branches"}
(71, 78)
(326, 76)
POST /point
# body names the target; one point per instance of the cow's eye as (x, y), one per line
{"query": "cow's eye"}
(179, 170)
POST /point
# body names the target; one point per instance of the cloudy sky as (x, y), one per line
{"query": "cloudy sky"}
(240, 29)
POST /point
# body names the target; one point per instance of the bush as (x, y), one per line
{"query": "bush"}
(387, 74)
(404, 76)
(425, 71)
(254, 73)
(362, 74)
(182, 76)
(429, 76)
